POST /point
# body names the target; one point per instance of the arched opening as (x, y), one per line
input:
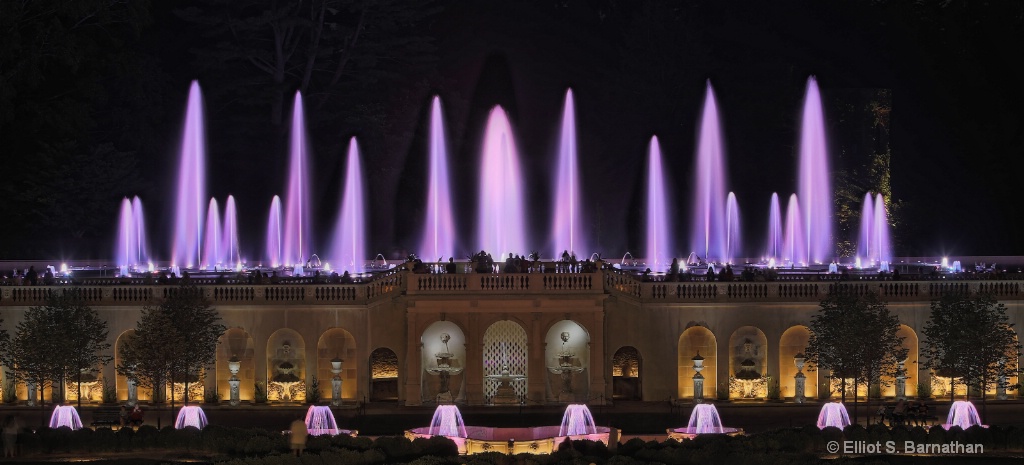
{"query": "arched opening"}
(793, 342)
(121, 382)
(286, 366)
(748, 350)
(443, 358)
(383, 374)
(626, 369)
(567, 356)
(337, 343)
(910, 343)
(505, 363)
(697, 340)
(236, 343)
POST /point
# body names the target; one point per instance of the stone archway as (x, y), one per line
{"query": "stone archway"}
(443, 358)
(121, 382)
(567, 358)
(505, 357)
(337, 343)
(697, 340)
(627, 369)
(748, 351)
(910, 366)
(383, 375)
(236, 343)
(286, 366)
(794, 341)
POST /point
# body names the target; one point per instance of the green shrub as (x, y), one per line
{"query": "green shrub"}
(924, 390)
(109, 394)
(774, 393)
(259, 393)
(10, 391)
(313, 393)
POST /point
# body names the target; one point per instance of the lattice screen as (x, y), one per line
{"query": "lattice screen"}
(505, 343)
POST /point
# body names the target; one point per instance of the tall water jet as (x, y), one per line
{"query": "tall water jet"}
(129, 250)
(274, 239)
(774, 250)
(866, 245)
(815, 187)
(708, 224)
(320, 421)
(229, 240)
(500, 212)
(793, 250)
(568, 224)
(881, 232)
(732, 228)
(211, 240)
(658, 240)
(577, 421)
(438, 230)
(188, 220)
(833, 414)
(349, 251)
(447, 421)
(297, 231)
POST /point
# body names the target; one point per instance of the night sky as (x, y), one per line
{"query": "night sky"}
(949, 70)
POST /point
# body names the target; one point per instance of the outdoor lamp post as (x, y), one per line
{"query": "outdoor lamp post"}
(336, 381)
(698, 379)
(799, 380)
(233, 367)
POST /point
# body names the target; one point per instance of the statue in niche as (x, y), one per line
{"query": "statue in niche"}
(286, 380)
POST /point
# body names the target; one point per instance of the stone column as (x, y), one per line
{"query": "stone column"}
(599, 360)
(799, 380)
(901, 382)
(698, 379)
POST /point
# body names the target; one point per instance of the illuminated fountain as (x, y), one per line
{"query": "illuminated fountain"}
(703, 420)
(65, 415)
(732, 229)
(708, 223)
(963, 414)
(446, 367)
(131, 249)
(275, 242)
(659, 245)
(567, 366)
(188, 232)
(873, 246)
(501, 210)
(815, 190)
(229, 241)
(568, 223)
(212, 258)
(190, 415)
(833, 414)
(297, 241)
(349, 250)
(577, 423)
(794, 250)
(320, 421)
(774, 250)
(439, 228)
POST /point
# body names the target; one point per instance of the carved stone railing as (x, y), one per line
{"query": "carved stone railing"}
(505, 283)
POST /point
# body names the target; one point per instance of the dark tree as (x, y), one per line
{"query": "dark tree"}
(855, 338)
(969, 338)
(175, 340)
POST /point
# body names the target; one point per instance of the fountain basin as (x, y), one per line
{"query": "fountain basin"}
(963, 414)
(690, 433)
(704, 420)
(529, 440)
(65, 415)
(320, 422)
(190, 415)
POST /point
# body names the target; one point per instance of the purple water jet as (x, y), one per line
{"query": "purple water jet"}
(732, 228)
(438, 229)
(320, 421)
(866, 244)
(297, 231)
(793, 250)
(188, 230)
(833, 414)
(568, 224)
(211, 240)
(190, 415)
(658, 240)
(500, 212)
(873, 248)
(274, 240)
(709, 226)
(963, 414)
(815, 187)
(349, 250)
(577, 421)
(130, 251)
(703, 420)
(774, 249)
(881, 228)
(447, 421)
(229, 240)
(65, 415)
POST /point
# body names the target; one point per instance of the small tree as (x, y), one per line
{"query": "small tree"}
(969, 337)
(855, 338)
(56, 342)
(172, 341)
